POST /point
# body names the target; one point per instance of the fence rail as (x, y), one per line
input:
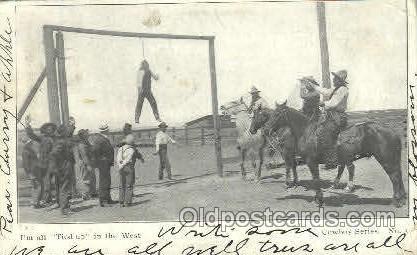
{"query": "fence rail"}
(186, 135)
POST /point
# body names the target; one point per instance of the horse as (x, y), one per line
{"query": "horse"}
(247, 142)
(287, 141)
(356, 141)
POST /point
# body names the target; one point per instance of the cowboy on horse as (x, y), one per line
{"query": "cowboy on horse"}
(256, 101)
(334, 118)
(311, 98)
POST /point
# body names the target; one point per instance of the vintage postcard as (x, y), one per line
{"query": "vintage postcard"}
(208, 128)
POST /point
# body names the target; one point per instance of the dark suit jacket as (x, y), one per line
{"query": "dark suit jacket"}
(101, 148)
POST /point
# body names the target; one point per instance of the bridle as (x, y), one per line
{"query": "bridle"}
(282, 114)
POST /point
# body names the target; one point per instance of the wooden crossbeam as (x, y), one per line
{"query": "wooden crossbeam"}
(31, 95)
(125, 34)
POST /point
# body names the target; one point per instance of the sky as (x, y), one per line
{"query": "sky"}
(267, 45)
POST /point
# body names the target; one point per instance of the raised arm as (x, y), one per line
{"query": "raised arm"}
(154, 76)
(324, 91)
(171, 140)
(31, 134)
(336, 98)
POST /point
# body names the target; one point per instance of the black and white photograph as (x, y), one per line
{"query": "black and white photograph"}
(151, 112)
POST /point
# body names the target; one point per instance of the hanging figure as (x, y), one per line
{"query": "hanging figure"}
(145, 77)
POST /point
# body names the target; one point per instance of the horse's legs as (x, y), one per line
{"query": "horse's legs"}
(294, 171)
(242, 164)
(396, 179)
(288, 165)
(340, 170)
(394, 175)
(261, 161)
(350, 186)
(314, 169)
(393, 169)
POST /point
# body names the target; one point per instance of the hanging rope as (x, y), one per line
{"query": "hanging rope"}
(143, 49)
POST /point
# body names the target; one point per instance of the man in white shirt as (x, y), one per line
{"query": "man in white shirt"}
(145, 76)
(334, 119)
(126, 159)
(162, 140)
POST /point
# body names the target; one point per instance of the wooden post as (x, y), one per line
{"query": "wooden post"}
(31, 95)
(324, 48)
(53, 95)
(173, 133)
(214, 104)
(62, 77)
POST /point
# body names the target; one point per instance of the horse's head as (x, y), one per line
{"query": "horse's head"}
(234, 107)
(278, 118)
(260, 117)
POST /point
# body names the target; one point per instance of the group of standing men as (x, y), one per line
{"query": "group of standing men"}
(63, 165)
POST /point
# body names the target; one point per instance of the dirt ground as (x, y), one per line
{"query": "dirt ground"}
(198, 186)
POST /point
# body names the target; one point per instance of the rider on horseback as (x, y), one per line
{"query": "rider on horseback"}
(311, 98)
(257, 101)
(334, 118)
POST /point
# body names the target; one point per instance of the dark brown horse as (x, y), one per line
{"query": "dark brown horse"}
(286, 144)
(357, 141)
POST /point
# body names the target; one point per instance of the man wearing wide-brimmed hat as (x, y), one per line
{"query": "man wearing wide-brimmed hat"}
(335, 118)
(257, 101)
(46, 142)
(162, 140)
(310, 97)
(103, 153)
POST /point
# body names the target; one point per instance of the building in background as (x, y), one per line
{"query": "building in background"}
(207, 122)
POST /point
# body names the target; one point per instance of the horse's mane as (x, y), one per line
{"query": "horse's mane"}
(293, 110)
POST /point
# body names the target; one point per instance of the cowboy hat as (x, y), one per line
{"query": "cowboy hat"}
(254, 90)
(309, 79)
(162, 125)
(104, 127)
(43, 129)
(341, 75)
